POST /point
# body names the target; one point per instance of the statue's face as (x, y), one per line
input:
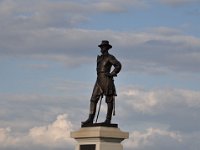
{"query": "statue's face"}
(104, 49)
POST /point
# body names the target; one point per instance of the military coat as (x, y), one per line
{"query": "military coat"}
(105, 83)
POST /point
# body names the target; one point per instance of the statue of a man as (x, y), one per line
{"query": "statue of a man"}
(104, 84)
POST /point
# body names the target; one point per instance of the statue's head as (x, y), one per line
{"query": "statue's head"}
(105, 44)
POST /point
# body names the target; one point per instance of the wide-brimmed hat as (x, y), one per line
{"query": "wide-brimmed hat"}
(105, 42)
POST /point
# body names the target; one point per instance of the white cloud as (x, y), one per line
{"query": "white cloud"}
(43, 13)
(153, 138)
(160, 51)
(23, 111)
(117, 6)
(177, 109)
(140, 100)
(178, 2)
(156, 139)
(37, 66)
(107, 7)
(161, 100)
(6, 139)
(166, 31)
(45, 29)
(55, 135)
(65, 59)
(181, 106)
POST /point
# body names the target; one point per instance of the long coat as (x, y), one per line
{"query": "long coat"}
(105, 84)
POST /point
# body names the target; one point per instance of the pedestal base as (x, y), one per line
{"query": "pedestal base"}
(100, 125)
(99, 138)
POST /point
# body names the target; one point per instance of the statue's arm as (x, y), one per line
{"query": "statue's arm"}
(117, 66)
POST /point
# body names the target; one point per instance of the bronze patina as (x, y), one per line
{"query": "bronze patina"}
(104, 85)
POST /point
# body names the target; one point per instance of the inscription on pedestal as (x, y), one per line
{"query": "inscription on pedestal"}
(88, 147)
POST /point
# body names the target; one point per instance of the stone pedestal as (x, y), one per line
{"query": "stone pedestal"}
(99, 138)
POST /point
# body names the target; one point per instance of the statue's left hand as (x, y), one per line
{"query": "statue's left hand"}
(110, 75)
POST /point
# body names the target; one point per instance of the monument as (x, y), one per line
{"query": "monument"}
(104, 135)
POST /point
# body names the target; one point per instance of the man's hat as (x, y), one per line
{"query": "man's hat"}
(105, 42)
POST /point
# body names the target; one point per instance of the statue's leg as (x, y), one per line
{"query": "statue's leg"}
(109, 101)
(93, 103)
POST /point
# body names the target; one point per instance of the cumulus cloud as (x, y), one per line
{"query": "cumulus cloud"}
(158, 100)
(170, 107)
(157, 138)
(23, 111)
(175, 110)
(48, 30)
(55, 135)
(161, 100)
(6, 139)
(153, 138)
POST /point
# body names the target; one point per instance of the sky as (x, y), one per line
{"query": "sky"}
(48, 51)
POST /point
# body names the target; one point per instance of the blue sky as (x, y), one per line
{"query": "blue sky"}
(48, 51)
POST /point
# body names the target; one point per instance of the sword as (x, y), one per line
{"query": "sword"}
(99, 108)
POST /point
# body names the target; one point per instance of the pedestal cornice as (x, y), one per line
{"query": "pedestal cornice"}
(99, 132)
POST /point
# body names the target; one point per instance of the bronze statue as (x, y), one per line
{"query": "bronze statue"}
(104, 85)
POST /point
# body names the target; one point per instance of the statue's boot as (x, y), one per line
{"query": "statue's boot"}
(91, 115)
(109, 114)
